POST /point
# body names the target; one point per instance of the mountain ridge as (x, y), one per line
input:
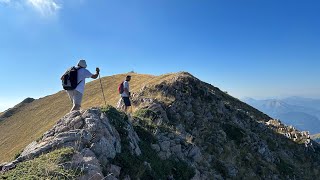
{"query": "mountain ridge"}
(33, 120)
(185, 120)
(9, 112)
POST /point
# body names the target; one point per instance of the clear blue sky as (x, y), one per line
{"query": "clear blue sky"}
(246, 47)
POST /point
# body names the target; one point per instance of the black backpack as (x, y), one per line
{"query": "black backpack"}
(70, 79)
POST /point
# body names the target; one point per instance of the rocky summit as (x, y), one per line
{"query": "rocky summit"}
(180, 128)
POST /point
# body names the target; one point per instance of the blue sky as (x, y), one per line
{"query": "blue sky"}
(249, 48)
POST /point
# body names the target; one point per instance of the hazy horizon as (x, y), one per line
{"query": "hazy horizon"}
(256, 49)
(4, 107)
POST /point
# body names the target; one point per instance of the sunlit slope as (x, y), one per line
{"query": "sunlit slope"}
(31, 121)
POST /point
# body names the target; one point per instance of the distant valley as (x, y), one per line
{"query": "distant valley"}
(303, 113)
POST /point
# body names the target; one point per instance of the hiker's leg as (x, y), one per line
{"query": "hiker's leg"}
(77, 99)
(123, 106)
(76, 107)
(70, 94)
(119, 104)
(72, 98)
(127, 103)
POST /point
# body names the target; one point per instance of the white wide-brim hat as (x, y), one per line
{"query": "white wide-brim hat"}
(82, 63)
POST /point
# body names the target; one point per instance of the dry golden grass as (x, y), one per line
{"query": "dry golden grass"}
(33, 120)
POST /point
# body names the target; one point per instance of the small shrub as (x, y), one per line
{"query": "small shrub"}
(39, 138)
(284, 168)
(145, 135)
(228, 107)
(146, 114)
(234, 133)
(220, 167)
(146, 118)
(17, 154)
(272, 144)
(118, 119)
(241, 115)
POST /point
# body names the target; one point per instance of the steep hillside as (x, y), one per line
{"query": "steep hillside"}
(181, 128)
(15, 109)
(29, 122)
(232, 135)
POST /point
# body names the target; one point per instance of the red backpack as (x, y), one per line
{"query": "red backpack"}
(121, 88)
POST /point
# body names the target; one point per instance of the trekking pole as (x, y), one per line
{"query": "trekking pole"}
(102, 91)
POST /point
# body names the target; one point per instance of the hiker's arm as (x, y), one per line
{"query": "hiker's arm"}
(97, 74)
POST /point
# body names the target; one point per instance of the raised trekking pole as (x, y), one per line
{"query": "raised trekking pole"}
(105, 103)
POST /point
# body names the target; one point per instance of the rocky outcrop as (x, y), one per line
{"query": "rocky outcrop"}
(91, 134)
(219, 135)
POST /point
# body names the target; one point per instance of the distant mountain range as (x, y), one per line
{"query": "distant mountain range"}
(303, 113)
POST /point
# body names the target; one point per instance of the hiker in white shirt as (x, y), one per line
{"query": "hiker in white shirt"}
(77, 94)
(126, 93)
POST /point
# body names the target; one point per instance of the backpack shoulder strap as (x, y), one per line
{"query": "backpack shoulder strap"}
(79, 82)
(79, 67)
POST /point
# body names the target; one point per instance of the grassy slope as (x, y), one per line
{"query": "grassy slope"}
(47, 166)
(33, 120)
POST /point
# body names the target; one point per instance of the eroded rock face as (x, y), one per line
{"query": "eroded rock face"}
(218, 135)
(89, 129)
(87, 162)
